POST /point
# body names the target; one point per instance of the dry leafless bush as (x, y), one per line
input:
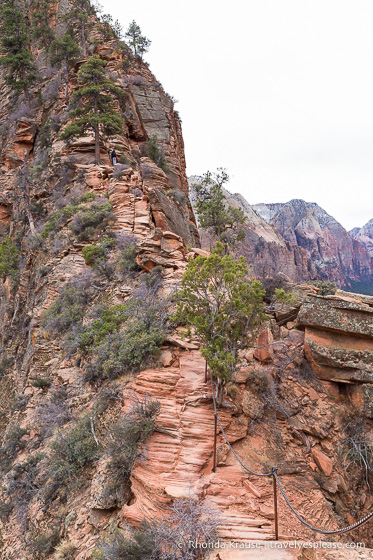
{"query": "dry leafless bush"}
(54, 413)
(187, 532)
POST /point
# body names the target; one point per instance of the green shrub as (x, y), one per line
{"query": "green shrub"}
(126, 435)
(127, 259)
(96, 255)
(41, 382)
(41, 544)
(9, 257)
(107, 321)
(124, 160)
(73, 450)
(68, 309)
(93, 252)
(88, 221)
(141, 545)
(87, 197)
(325, 288)
(58, 219)
(125, 351)
(12, 445)
(156, 154)
(144, 320)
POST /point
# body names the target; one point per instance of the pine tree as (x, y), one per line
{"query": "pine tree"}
(80, 12)
(42, 13)
(94, 104)
(9, 257)
(110, 29)
(138, 42)
(222, 221)
(65, 51)
(15, 43)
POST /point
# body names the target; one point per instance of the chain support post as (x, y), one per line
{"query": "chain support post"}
(215, 437)
(274, 471)
(205, 371)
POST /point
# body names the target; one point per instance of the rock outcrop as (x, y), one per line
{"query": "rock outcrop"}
(339, 342)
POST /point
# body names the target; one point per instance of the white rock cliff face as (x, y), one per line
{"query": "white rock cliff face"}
(364, 236)
(333, 252)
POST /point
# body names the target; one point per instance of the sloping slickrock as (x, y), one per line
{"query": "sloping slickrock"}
(179, 465)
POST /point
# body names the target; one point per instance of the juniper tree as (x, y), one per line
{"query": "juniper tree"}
(42, 13)
(224, 308)
(79, 14)
(9, 257)
(15, 42)
(221, 220)
(138, 42)
(94, 105)
(65, 51)
(110, 28)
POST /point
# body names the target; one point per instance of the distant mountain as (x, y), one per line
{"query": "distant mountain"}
(336, 255)
(302, 241)
(365, 236)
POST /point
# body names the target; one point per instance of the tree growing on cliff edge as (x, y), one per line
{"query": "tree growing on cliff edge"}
(224, 308)
(138, 42)
(15, 44)
(9, 257)
(79, 14)
(221, 220)
(42, 13)
(94, 105)
(65, 51)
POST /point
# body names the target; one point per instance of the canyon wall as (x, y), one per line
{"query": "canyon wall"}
(277, 410)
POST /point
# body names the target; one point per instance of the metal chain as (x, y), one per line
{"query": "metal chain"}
(323, 531)
(226, 439)
(274, 473)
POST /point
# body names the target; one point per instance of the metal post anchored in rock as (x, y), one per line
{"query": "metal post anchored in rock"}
(205, 371)
(274, 470)
(215, 436)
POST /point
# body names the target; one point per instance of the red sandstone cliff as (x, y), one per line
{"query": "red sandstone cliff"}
(292, 422)
(335, 255)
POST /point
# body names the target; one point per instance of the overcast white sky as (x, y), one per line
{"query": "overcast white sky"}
(279, 92)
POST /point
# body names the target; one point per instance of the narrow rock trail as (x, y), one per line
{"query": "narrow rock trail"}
(181, 463)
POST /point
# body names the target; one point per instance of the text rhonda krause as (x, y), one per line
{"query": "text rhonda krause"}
(298, 545)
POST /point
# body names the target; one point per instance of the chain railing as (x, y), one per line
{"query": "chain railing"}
(275, 479)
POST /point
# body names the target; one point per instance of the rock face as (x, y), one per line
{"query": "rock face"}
(336, 256)
(274, 413)
(365, 236)
(339, 341)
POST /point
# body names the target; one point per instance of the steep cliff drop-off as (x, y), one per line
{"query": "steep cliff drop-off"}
(278, 411)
